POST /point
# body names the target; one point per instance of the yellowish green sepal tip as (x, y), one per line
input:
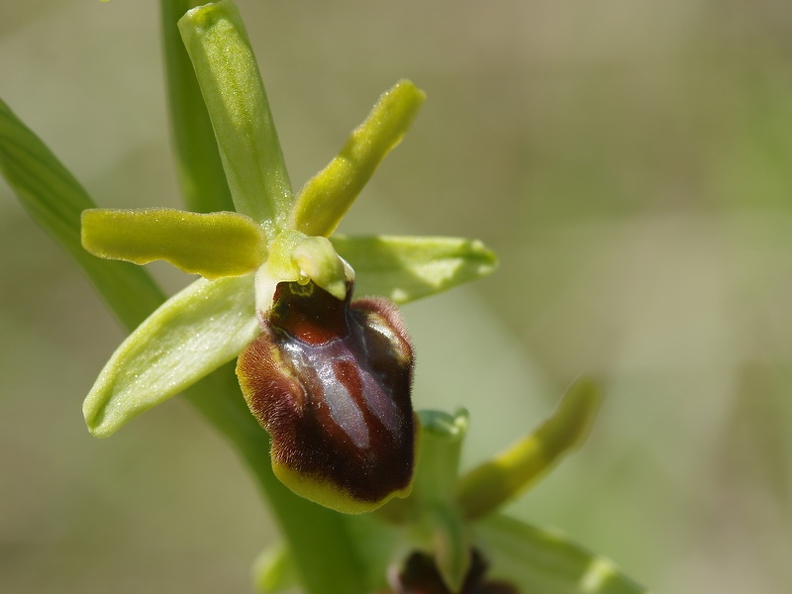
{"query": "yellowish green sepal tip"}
(325, 198)
(487, 487)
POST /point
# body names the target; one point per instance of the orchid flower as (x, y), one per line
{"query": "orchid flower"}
(326, 376)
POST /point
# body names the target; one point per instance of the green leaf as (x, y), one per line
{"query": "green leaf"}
(408, 268)
(491, 484)
(190, 335)
(214, 245)
(326, 197)
(535, 560)
(55, 199)
(225, 66)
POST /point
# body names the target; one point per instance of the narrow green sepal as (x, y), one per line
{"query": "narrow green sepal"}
(190, 335)
(228, 75)
(213, 245)
(325, 198)
(407, 268)
(530, 559)
(488, 486)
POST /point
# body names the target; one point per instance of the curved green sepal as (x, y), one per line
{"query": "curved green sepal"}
(213, 245)
(228, 75)
(490, 485)
(325, 198)
(534, 560)
(55, 199)
(190, 335)
(407, 268)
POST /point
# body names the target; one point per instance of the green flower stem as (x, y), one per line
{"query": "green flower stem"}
(228, 75)
(326, 197)
(488, 486)
(213, 244)
(200, 169)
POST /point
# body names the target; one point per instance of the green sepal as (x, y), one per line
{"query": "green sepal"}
(535, 560)
(408, 268)
(213, 245)
(55, 199)
(193, 333)
(228, 75)
(488, 486)
(325, 198)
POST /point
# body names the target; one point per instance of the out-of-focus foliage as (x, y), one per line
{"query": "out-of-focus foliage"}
(630, 162)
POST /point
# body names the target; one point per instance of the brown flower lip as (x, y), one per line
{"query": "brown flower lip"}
(330, 380)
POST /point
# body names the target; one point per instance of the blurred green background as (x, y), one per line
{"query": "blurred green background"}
(630, 162)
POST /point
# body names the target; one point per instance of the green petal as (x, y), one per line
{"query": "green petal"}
(535, 560)
(408, 268)
(326, 197)
(55, 199)
(490, 485)
(225, 66)
(213, 245)
(190, 335)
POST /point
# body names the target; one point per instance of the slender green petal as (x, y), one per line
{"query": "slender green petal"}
(490, 485)
(325, 198)
(55, 199)
(225, 66)
(537, 560)
(214, 245)
(189, 336)
(408, 268)
(200, 170)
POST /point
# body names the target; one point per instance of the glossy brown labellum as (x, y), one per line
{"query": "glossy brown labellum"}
(330, 380)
